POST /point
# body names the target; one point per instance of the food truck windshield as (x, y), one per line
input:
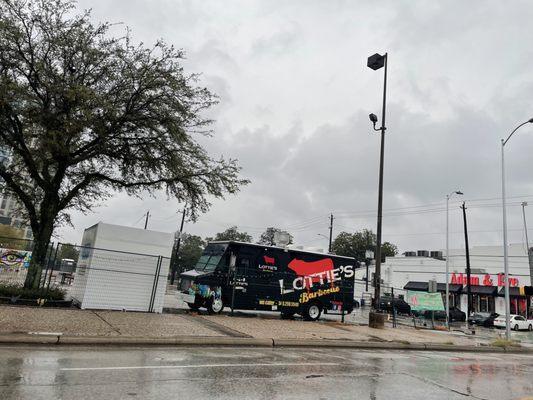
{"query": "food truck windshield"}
(211, 257)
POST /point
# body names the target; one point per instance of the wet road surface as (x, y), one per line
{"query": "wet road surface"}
(234, 373)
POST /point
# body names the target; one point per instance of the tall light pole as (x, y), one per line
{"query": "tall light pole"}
(376, 62)
(448, 196)
(505, 255)
(524, 204)
(529, 256)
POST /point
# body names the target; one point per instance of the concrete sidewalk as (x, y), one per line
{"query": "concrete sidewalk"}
(73, 326)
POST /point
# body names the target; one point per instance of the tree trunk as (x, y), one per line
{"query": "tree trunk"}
(39, 253)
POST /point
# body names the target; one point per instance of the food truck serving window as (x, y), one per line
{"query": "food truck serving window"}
(211, 257)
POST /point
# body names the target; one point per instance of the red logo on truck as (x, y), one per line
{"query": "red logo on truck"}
(269, 260)
(316, 270)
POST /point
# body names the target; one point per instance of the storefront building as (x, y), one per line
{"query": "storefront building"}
(487, 280)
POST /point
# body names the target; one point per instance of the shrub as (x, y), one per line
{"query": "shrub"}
(17, 290)
(505, 343)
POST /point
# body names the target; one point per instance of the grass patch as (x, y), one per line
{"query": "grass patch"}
(504, 343)
(18, 291)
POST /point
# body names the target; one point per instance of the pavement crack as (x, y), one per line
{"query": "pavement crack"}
(442, 386)
(219, 328)
(107, 322)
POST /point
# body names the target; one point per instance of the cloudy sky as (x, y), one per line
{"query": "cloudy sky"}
(295, 97)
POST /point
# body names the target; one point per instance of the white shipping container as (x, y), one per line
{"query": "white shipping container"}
(117, 268)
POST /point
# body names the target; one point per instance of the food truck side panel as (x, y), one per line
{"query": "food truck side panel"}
(254, 277)
(274, 279)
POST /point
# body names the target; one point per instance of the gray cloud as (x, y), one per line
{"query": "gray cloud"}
(295, 97)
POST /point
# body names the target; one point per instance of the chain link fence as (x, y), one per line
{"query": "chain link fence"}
(91, 278)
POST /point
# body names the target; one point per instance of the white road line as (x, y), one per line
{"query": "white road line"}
(194, 366)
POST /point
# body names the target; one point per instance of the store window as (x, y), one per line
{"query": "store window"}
(483, 303)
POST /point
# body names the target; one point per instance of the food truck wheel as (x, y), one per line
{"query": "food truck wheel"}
(215, 306)
(312, 311)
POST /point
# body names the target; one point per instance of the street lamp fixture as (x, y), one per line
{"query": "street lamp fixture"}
(448, 196)
(505, 255)
(376, 62)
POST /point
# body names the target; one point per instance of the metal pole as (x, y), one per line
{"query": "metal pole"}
(529, 253)
(447, 261)
(366, 283)
(393, 308)
(343, 286)
(524, 204)
(377, 274)
(233, 290)
(53, 267)
(330, 232)
(505, 255)
(174, 269)
(467, 253)
(146, 220)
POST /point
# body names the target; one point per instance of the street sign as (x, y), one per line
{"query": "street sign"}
(432, 286)
(421, 301)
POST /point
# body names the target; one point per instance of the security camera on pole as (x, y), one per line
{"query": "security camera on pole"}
(376, 62)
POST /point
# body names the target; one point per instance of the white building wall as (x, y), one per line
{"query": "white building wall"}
(397, 271)
(116, 268)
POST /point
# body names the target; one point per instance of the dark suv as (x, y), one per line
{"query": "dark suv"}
(401, 306)
(455, 315)
(483, 319)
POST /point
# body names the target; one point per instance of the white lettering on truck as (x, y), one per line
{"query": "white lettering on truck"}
(300, 282)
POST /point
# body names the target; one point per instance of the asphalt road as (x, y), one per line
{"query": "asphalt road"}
(235, 373)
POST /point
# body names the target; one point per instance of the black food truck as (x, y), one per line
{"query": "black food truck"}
(256, 277)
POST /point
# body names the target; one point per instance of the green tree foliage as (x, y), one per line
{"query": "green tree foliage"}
(69, 251)
(356, 244)
(267, 237)
(232, 233)
(191, 247)
(84, 113)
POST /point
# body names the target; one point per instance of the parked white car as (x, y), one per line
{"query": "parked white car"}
(517, 322)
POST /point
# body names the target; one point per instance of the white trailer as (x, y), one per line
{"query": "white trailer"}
(122, 268)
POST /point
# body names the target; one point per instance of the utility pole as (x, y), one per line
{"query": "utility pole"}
(448, 255)
(529, 252)
(146, 220)
(174, 267)
(330, 232)
(468, 289)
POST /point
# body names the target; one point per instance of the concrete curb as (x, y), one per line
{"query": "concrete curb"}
(53, 339)
(165, 341)
(24, 338)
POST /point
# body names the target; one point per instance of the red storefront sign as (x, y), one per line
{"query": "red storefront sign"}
(485, 280)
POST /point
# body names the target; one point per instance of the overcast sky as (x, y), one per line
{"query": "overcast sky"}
(295, 97)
